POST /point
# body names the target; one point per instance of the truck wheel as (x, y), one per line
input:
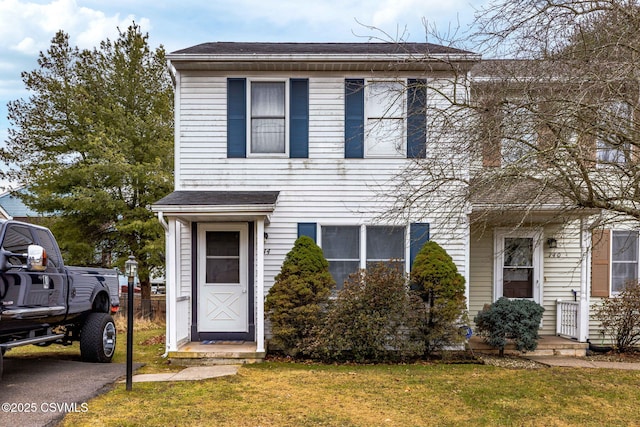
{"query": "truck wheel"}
(98, 338)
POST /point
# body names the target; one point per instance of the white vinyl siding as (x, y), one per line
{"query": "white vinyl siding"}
(325, 188)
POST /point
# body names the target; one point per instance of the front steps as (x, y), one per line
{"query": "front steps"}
(548, 345)
(216, 353)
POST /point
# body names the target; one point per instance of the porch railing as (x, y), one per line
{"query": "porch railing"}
(567, 318)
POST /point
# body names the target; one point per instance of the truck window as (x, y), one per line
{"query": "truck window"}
(17, 239)
(47, 242)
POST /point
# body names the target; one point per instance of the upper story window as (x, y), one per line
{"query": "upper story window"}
(385, 119)
(519, 135)
(268, 118)
(612, 143)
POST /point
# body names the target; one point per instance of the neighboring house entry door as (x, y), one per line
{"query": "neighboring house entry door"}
(518, 264)
(223, 296)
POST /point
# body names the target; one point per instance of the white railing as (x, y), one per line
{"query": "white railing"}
(567, 317)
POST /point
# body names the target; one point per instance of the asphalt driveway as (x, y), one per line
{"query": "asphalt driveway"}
(39, 391)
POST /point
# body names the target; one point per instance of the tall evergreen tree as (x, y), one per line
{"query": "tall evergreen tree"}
(93, 144)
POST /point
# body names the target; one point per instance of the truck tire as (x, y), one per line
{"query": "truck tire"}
(98, 338)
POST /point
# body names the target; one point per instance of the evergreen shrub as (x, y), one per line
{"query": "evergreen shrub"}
(435, 277)
(510, 319)
(295, 302)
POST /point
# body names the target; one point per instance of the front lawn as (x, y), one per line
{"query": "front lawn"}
(290, 394)
(300, 394)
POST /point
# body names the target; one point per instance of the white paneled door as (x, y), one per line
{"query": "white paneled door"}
(223, 297)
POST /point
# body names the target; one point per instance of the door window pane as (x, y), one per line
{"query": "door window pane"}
(223, 257)
(517, 272)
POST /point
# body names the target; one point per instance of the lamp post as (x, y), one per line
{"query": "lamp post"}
(131, 270)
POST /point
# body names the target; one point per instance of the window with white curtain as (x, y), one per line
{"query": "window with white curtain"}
(268, 117)
(624, 259)
(343, 248)
(385, 134)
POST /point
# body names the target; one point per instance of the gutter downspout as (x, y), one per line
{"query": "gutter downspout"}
(165, 226)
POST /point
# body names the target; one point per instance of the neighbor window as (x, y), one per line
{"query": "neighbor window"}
(519, 135)
(611, 141)
(343, 248)
(624, 259)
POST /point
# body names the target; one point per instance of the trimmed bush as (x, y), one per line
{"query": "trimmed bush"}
(436, 279)
(620, 318)
(510, 319)
(296, 300)
(373, 319)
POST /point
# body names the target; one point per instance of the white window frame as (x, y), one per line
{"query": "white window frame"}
(287, 116)
(398, 150)
(614, 155)
(363, 241)
(612, 291)
(538, 260)
(515, 121)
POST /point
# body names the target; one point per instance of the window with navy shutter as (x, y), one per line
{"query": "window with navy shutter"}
(354, 119)
(308, 229)
(261, 123)
(236, 118)
(299, 121)
(385, 118)
(416, 118)
(418, 235)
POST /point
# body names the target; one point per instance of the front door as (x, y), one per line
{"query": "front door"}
(518, 264)
(223, 297)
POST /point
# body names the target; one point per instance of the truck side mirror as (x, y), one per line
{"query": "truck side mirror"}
(36, 258)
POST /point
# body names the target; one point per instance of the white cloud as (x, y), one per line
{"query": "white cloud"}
(28, 27)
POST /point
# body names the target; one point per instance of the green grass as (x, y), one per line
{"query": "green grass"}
(299, 394)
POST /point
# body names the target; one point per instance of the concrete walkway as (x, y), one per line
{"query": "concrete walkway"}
(196, 373)
(574, 362)
(193, 373)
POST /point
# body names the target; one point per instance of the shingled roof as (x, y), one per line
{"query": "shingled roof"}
(238, 48)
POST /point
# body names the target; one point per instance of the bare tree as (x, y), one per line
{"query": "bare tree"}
(551, 121)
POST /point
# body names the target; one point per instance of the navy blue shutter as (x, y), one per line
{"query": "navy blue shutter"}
(236, 118)
(418, 235)
(416, 118)
(299, 120)
(308, 229)
(354, 119)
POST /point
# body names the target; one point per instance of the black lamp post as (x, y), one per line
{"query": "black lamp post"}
(131, 269)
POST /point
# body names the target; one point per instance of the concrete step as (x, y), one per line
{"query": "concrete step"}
(216, 353)
(548, 345)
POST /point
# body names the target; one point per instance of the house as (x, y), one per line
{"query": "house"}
(278, 140)
(12, 207)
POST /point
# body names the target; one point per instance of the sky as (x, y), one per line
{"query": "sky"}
(27, 27)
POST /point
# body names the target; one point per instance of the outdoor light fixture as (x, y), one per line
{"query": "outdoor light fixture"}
(552, 243)
(131, 270)
(131, 267)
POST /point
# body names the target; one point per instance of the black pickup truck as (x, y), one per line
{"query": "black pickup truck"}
(42, 301)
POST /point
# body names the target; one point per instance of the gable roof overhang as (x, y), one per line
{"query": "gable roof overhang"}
(199, 206)
(325, 57)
